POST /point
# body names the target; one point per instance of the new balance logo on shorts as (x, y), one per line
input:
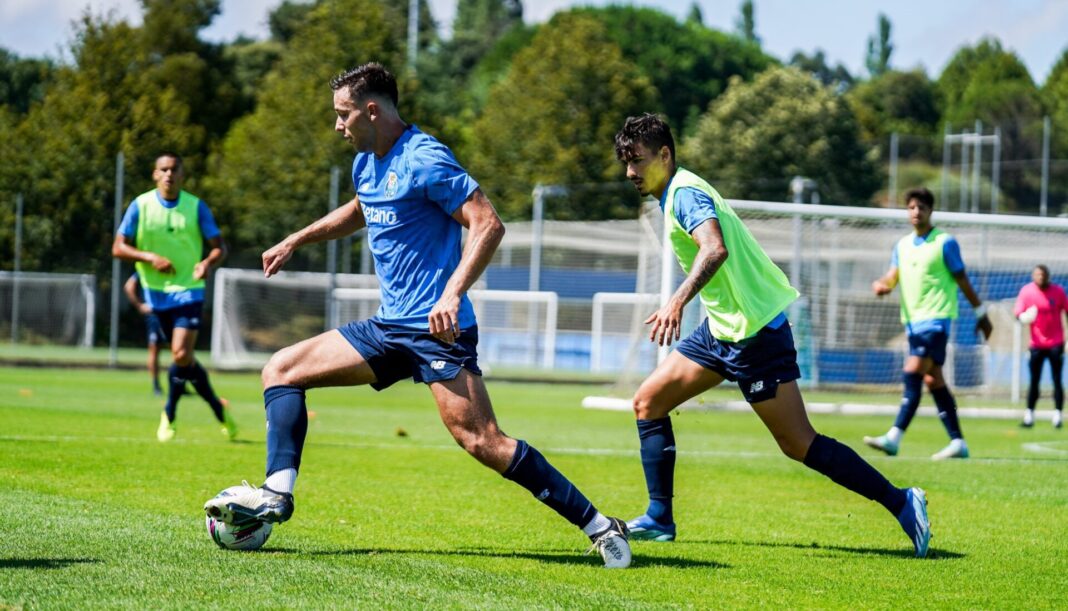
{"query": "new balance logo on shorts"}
(435, 365)
(757, 386)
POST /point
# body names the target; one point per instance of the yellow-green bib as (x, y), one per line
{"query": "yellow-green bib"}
(748, 291)
(928, 289)
(173, 233)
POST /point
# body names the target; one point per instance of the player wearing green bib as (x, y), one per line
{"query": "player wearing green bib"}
(746, 338)
(927, 265)
(164, 233)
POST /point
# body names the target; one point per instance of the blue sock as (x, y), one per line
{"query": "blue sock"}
(287, 426)
(910, 401)
(658, 460)
(175, 384)
(947, 411)
(199, 379)
(847, 469)
(530, 470)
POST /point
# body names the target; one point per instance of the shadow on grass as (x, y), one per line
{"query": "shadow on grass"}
(932, 553)
(568, 558)
(43, 563)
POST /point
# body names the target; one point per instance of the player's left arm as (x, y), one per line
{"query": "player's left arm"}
(711, 253)
(216, 246)
(955, 264)
(484, 233)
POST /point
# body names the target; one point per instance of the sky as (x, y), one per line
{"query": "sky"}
(925, 33)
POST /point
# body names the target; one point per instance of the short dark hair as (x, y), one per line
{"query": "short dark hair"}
(1044, 269)
(647, 129)
(920, 194)
(371, 78)
(172, 155)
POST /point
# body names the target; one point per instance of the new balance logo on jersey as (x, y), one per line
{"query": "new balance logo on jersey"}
(757, 386)
(436, 365)
(379, 216)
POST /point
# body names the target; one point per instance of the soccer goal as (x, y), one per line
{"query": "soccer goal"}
(846, 337)
(45, 308)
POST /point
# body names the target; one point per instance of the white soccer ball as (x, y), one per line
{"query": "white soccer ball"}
(247, 536)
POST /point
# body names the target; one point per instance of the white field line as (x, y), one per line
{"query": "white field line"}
(845, 409)
(1047, 448)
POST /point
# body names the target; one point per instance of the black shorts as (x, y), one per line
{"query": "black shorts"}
(396, 353)
(759, 363)
(186, 316)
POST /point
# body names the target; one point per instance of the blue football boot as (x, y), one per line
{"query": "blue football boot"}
(644, 528)
(913, 520)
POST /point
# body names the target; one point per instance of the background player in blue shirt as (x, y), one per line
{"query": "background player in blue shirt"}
(414, 199)
(153, 332)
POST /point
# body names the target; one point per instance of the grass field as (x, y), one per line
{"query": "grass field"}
(94, 512)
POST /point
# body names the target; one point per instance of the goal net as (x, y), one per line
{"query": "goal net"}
(846, 337)
(45, 308)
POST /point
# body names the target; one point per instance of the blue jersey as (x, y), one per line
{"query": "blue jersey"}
(954, 263)
(159, 300)
(408, 198)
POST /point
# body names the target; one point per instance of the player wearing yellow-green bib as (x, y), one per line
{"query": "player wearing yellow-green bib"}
(746, 338)
(164, 232)
(927, 265)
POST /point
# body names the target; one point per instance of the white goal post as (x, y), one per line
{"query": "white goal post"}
(48, 308)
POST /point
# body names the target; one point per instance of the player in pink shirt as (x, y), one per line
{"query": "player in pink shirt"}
(1040, 304)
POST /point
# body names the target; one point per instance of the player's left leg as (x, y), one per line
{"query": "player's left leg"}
(1056, 365)
(785, 417)
(465, 408)
(947, 412)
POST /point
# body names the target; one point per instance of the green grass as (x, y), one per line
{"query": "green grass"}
(95, 513)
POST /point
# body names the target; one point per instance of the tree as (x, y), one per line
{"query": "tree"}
(758, 135)
(816, 64)
(695, 15)
(552, 120)
(903, 102)
(746, 22)
(879, 49)
(285, 20)
(22, 81)
(1055, 92)
(273, 168)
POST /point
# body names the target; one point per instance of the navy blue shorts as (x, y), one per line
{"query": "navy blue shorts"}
(759, 363)
(154, 329)
(396, 353)
(929, 344)
(185, 316)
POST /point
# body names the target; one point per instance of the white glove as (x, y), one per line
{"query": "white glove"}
(1029, 315)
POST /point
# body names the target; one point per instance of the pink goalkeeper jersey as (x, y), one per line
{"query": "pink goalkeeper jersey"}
(1047, 331)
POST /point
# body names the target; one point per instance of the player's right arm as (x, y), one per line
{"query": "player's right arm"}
(337, 224)
(124, 245)
(885, 284)
(132, 288)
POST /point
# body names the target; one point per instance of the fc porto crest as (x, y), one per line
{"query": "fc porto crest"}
(391, 184)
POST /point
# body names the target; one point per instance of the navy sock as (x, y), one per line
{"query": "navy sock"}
(658, 460)
(910, 401)
(199, 379)
(287, 426)
(530, 470)
(847, 469)
(175, 384)
(947, 411)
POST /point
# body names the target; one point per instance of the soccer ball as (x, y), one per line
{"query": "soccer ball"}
(247, 536)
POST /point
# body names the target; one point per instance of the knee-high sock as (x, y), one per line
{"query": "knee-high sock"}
(287, 426)
(910, 400)
(847, 469)
(530, 470)
(199, 379)
(175, 387)
(658, 460)
(1035, 367)
(947, 411)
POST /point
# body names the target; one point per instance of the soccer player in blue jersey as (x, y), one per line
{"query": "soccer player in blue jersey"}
(928, 267)
(153, 331)
(745, 338)
(164, 232)
(414, 199)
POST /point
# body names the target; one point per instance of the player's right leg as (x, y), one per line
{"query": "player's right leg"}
(327, 359)
(671, 384)
(1056, 364)
(915, 368)
(1034, 366)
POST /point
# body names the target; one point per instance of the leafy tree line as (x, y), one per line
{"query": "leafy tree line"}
(519, 104)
